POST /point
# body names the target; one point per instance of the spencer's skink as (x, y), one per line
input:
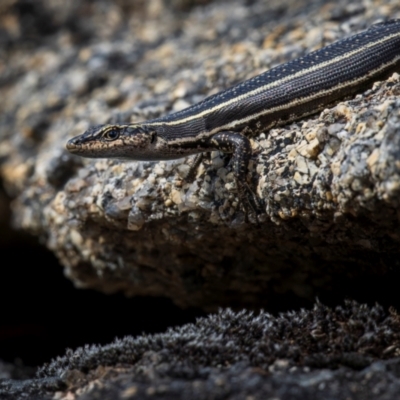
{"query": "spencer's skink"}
(279, 96)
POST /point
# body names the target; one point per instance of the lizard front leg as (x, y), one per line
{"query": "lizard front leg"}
(239, 146)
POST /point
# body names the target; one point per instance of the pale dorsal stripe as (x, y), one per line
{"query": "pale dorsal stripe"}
(277, 83)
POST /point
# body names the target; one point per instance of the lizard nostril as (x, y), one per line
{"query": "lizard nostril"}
(72, 143)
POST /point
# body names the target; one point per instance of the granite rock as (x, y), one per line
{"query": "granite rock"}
(330, 183)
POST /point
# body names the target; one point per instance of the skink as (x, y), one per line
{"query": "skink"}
(279, 96)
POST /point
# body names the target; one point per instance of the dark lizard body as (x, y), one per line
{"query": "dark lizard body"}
(281, 95)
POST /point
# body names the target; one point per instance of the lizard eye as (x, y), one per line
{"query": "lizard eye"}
(111, 134)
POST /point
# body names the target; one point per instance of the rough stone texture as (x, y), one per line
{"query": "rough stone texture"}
(350, 352)
(330, 183)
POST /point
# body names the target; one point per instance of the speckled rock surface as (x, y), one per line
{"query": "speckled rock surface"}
(331, 183)
(350, 352)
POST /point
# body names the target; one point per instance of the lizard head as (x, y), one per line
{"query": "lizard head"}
(134, 142)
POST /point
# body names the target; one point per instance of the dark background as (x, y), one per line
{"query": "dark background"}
(42, 313)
